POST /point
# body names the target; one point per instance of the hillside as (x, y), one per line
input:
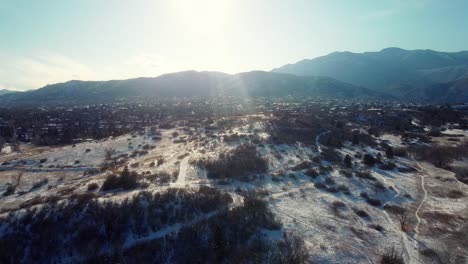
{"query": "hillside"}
(191, 84)
(5, 91)
(391, 70)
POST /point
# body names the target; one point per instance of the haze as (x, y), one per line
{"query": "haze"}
(55, 41)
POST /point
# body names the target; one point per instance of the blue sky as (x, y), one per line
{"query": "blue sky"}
(51, 41)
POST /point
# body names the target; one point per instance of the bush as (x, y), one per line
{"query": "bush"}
(93, 186)
(311, 173)
(369, 160)
(235, 163)
(365, 174)
(361, 213)
(391, 256)
(89, 228)
(347, 173)
(302, 166)
(374, 202)
(387, 166)
(400, 152)
(320, 185)
(161, 177)
(127, 181)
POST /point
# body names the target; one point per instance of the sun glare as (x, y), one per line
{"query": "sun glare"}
(203, 16)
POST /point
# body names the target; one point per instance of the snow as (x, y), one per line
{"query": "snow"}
(302, 208)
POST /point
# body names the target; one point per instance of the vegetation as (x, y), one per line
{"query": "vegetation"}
(235, 163)
(127, 180)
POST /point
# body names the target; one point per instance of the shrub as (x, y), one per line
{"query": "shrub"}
(392, 256)
(361, 213)
(127, 181)
(387, 166)
(455, 194)
(462, 174)
(331, 155)
(329, 181)
(400, 152)
(406, 169)
(320, 185)
(377, 227)
(93, 186)
(161, 177)
(347, 161)
(39, 184)
(347, 173)
(235, 163)
(311, 173)
(374, 202)
(364, 195)
(369, 160)
(302, 166)
(342, 188)
(365, 174)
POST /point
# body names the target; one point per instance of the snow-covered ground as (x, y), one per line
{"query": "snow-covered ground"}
(327, 220)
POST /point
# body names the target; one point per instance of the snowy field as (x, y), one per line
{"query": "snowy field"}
(338, 223)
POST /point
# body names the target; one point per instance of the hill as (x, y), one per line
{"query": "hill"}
(391, 70)
(190, 84)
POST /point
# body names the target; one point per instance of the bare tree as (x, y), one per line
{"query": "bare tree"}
(2, 143)
(15, 145)
(16, 179)
(109, 153)
(15, 182)
(392, 256)
(403, 218)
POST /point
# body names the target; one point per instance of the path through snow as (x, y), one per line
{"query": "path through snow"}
(182, 172)
(416, 229)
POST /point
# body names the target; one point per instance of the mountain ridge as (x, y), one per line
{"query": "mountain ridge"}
(192, 84)
(389, 70)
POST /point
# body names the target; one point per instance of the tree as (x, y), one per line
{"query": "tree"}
(15, 182)
(369, 160)
(389, 152)
(347, 161)
(403, 218)
(2, 143)
(15, 145)
(108, 153)
(355, 139)
(218, 243)
(379, 157)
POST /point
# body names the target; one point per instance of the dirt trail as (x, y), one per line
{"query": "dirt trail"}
(181, 178)
(416, 228)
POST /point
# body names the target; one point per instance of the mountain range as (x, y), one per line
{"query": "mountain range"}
(420, 75)
(192, 84)
(393, 73)
(5, 91)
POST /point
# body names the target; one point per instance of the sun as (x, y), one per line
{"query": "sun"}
(203, 16)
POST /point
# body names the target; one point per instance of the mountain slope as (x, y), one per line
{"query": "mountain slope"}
(191, 84)
(390, 70)
(5, 91)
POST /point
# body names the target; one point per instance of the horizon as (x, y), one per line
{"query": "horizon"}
(53, 41)
(200, 71)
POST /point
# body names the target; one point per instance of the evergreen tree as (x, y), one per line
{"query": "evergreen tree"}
(347, 161)
(389, 152)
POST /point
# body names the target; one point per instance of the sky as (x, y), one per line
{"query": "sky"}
(49, 41)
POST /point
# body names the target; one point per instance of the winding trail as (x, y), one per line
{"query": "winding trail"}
(416, 228)
(317, 140)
